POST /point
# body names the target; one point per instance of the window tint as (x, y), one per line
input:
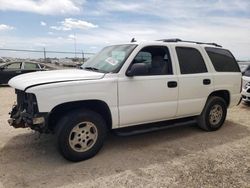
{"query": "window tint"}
(14, 66)
(190, 60)
(222, 60)
(143, 57)
(156, 58)
(30, 66)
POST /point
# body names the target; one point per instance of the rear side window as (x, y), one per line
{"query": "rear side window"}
(190, 60)
(30, 66)
(222, 60)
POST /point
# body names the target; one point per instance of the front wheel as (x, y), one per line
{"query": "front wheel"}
(213, 114)
(80, 134)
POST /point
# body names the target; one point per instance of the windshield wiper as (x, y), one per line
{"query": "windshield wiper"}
(94, 69)
(91, 68)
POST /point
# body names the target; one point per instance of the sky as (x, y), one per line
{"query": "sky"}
(93, 24)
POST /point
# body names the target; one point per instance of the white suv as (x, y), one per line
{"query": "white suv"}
(126, 85)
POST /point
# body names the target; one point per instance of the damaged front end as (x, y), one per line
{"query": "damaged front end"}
(25, 113)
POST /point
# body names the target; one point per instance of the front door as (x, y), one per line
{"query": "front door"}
(152, 97)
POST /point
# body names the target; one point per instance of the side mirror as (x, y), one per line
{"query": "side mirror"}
(137, 69)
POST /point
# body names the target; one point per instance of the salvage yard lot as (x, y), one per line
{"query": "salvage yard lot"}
(176, 157)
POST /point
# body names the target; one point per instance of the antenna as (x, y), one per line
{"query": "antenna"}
(133, 40)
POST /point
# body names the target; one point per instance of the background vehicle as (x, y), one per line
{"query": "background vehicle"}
(10, 70)
(127, 85)
(245, 69)
(2, 61)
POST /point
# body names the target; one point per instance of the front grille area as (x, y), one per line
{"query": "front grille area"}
(248, 91)
(21, 100)
(26, 102)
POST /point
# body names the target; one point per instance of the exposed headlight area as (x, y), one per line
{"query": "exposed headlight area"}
(25, 112)
(26, 102)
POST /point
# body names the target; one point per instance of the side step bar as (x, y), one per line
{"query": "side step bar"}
(152, 127)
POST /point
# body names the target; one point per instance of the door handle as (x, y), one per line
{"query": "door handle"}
(172, 84)
(206, 81)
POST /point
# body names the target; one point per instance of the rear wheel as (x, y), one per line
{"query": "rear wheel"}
(80, 134)
(213, 114)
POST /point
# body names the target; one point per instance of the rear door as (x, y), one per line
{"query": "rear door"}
(195, 81)
(227, 75)
(30, 67)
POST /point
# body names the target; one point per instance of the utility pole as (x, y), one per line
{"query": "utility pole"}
(44, 55)
(82, 56)
(75, 43)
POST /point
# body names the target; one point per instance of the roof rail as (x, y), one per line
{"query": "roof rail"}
(179, 40)
(170, 40)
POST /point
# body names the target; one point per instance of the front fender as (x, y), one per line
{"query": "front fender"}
(52, 95)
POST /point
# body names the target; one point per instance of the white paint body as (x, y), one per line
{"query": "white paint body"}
(133, 100)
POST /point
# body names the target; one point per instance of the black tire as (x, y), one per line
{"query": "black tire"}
(65, 130)
(209, 122)
(247, 103)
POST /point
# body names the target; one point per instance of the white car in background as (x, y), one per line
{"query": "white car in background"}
(246, 89)
(245, 69)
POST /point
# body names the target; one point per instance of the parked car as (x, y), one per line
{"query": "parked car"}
(2, 61)
(127, 85)
(10, 70)
(245, 68)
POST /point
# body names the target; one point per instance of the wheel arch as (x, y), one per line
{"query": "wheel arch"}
(98, 106)
(225, 94)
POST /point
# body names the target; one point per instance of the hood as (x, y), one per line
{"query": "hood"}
(24, 81)
(246, 78)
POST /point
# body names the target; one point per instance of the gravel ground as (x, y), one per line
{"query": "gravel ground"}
(176, 157)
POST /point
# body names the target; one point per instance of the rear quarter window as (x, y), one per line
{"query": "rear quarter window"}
(222, 60)
(190, 60)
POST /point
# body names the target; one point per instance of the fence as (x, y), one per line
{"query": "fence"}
(44, 54)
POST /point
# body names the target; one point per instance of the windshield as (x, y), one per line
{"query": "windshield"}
(109, 59)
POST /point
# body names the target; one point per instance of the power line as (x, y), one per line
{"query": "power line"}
(42, 51)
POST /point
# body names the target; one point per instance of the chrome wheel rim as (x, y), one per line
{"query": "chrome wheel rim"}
(83, 136)
(215, 115)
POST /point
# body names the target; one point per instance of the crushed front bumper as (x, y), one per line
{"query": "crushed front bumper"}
(22, 119)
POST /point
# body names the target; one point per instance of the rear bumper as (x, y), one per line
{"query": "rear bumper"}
(22, 119)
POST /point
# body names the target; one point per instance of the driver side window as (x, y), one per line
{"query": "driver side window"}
(156, 58)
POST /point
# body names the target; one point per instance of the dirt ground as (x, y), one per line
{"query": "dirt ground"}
(176, 157)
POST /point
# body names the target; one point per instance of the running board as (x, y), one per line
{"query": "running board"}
(152, 127)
